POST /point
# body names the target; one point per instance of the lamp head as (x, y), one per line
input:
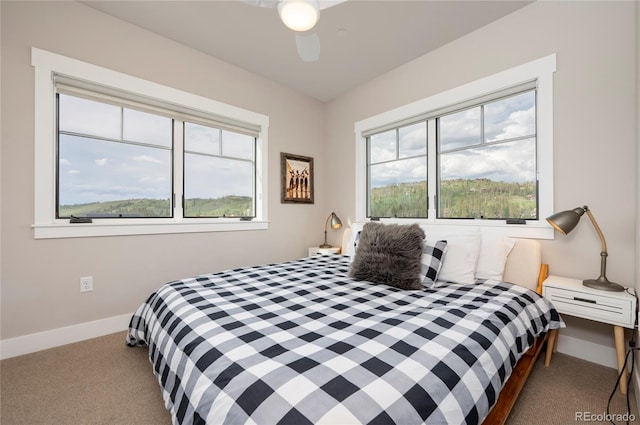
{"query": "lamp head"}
(565, 221)
(299, 15)
(335, 221)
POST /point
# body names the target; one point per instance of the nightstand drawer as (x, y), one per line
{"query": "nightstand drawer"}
(600, 307)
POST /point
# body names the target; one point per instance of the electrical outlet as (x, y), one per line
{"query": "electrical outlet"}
(86, 284)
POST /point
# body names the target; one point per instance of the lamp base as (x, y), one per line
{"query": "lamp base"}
(603, 284)
(325, 245)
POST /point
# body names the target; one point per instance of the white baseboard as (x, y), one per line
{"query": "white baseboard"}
(26, 344)
(589, 351)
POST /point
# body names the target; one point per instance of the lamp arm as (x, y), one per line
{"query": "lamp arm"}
(595, 224)
(603, 252)
(326, 225)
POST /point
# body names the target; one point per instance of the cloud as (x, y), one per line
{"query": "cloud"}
(64, 161)
(402, 171)
(460, 129)
(100, 162)
(519, 123)
(211, 177)
(147, 158)
(73, 172)
(507, 162)
(152, 179)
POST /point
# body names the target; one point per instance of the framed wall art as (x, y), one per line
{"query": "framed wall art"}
(296, 179)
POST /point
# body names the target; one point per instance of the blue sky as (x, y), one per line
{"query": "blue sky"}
(104, 168)
(511, 161)
(99, 171)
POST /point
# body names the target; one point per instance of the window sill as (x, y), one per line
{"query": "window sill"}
(64, 229)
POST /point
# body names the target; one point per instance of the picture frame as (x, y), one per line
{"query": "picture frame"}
(296, 179)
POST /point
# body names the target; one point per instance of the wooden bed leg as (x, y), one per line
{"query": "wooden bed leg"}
(618, 332)
(552, 342)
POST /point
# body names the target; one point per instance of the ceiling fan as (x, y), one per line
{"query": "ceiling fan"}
(301, 16)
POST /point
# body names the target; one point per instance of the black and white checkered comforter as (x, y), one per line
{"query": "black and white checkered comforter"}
(301, 343)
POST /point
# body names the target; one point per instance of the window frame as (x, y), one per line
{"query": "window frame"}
(541, 71)
(46, 66)
(220, 155)
(397, 142)
(113, 141)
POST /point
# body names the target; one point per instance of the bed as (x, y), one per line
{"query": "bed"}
(309, 342)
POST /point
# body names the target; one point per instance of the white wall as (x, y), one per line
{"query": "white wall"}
(40, 278)
(594, 124)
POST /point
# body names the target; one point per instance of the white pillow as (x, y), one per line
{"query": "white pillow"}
(494, 251)
(459, 264)
(350, 250)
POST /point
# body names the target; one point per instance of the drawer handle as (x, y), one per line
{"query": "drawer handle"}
(584, 300)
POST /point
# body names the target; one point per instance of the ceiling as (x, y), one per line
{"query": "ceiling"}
(359, 39)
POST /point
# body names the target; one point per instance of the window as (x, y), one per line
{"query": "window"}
(398, 172)
(141, 158)
(487, 160)
(479, 154)
(218, 172)
(116, 162)
(112, 161)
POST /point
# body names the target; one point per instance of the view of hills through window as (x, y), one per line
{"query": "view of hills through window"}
(485, 163)
(463, 198)
(228, 206)
(115, 161)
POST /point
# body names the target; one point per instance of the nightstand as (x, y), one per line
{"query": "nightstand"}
(318, 250)
(571, 297)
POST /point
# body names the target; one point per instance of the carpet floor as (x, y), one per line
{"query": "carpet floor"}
(103, 382)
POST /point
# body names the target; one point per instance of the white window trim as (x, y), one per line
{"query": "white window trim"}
(46, 225)
(541, 70)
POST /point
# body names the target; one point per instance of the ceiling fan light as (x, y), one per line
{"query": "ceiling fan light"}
(299, 15)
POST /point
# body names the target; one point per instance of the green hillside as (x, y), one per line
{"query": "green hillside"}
(485, 198)
(458, 198)
(466, 198)
(229, 206)
(402, 200)
(130, 207)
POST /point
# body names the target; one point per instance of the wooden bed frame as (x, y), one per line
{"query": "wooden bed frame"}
(511, 390)
(525, 269)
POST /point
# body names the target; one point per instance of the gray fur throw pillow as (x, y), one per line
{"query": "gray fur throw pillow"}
(390, 254)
